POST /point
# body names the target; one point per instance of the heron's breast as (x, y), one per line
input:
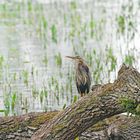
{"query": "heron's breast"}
(81, 79)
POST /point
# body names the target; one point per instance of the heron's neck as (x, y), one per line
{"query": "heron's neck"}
(78, 68)
(81, 75)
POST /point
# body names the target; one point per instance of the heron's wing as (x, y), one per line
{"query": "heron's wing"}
(84, 69)
(83, 78)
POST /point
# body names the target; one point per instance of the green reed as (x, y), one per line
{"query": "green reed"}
(54, 33)
(58, 59)
(25, 75)
(129, 59)
(13, 101)
(6, 104)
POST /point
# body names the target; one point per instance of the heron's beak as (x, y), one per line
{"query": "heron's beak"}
(71, 57)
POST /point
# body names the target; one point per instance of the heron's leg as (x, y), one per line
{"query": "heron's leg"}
(82, 94)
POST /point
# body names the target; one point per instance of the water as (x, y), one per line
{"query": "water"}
(36, 37)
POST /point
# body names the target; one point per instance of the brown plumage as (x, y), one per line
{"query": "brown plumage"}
(82, 75)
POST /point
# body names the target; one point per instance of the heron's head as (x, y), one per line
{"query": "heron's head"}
(77, 59)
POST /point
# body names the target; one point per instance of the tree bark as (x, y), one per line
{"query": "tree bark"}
(102, 103)
(120, 127)
(22, 127)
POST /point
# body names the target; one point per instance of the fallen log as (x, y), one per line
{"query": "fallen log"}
(119, 127)
(96, 106)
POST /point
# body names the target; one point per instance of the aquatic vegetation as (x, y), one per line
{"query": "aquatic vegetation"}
(58, 59)
(35, 92)
(54, 33)
(92, 25)
(6, 104)
(25, 75)
(43, 94)
(41, 97)
(25, 105)
(9, 103)
(121, 24)
(1, 65)
(127, 21)
(45, 60)
(111, 61)
(45, 23)
(64, 106)
(129, 59)
(75, 98)
(1, 61)
(14, 76)
(29, 5)
(13, 101)
(73, 5)
(31, 59)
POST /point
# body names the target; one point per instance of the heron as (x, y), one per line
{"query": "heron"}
(82, 75)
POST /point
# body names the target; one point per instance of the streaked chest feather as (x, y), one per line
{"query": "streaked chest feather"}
(81, 76)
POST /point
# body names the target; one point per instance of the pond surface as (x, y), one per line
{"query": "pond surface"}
(35, 37)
